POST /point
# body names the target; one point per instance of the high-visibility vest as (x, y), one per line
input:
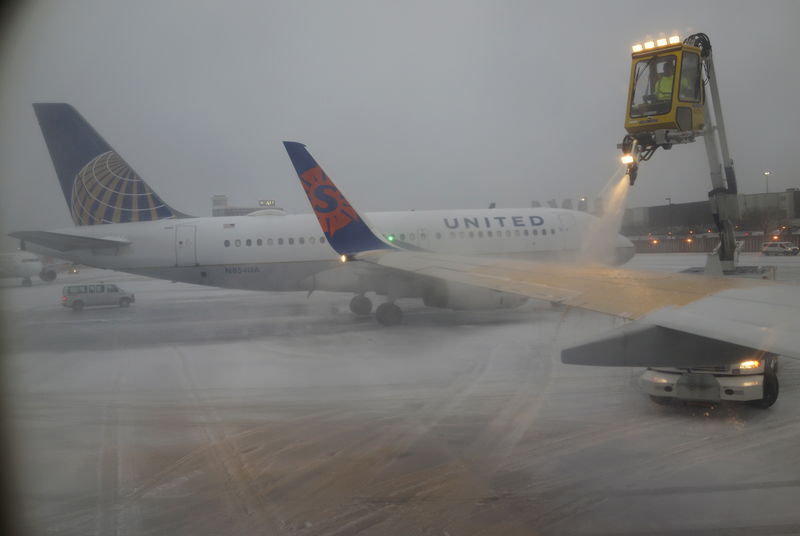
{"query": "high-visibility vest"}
(664, 87)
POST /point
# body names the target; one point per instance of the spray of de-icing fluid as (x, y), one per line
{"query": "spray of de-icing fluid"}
(600, 242)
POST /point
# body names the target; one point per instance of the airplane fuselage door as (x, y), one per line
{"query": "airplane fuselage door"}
(185, 245)
(568, 226)
(424, 241)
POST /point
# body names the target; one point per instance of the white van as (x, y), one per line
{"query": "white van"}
(779, 248)
(76, 297)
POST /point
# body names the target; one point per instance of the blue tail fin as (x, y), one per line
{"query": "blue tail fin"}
(99, 186)
(345, 229)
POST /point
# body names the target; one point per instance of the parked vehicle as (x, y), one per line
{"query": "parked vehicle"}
(76, 297)
(754, 381)
(779, 248)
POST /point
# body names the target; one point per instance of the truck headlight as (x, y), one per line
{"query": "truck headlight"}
(750, 364)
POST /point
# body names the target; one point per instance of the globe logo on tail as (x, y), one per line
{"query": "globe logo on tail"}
(107, 190)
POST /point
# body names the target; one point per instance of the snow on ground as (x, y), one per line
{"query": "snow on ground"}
(211, 411)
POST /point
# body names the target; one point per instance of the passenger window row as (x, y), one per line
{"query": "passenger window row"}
(248, 242)
(478, 234)
(402, 237)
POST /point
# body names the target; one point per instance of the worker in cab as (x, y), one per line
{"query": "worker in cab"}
(663, 87)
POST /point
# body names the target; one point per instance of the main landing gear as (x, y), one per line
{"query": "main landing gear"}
(360, 305)
(387, 314)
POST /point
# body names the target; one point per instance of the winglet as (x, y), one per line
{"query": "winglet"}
(345, 229)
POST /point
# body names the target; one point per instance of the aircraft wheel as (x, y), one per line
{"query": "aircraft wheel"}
(771, 390)
(77, 306)
(360, 305)
(47, 275)
(124, 302)
(388, 314)
(661, 400)
(26, 282)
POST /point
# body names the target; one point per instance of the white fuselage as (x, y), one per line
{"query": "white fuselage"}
(288, 252)
(19, 264)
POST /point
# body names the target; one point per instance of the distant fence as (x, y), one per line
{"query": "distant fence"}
(698, 244)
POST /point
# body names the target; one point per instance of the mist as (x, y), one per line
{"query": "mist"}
(416, 105)
(202, 410)
(599, 243)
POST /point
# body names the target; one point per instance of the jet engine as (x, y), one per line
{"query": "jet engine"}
(467, 298)
(47, 274)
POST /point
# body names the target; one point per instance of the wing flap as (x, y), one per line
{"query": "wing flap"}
(766, 318)
(69, 242)
(647, 345)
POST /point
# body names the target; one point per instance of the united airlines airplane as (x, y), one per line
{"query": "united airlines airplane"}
(122, 224)
(694, 325)
(24, 265)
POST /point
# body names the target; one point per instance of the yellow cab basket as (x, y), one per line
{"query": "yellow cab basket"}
(666, 88)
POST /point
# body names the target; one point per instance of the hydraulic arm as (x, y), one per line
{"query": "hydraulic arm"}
(668, 105)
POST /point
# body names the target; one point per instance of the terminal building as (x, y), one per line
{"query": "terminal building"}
(690, 226)
(220, 207)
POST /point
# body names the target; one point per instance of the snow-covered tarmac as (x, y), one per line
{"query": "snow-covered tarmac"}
(208, 411)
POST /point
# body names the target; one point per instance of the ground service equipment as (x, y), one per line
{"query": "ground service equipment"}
(668, 104)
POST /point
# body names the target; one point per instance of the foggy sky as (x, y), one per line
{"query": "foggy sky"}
(406, 105)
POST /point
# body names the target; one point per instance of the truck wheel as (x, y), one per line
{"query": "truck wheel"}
(124, 302)
(771, 389)
(661, 400)
(77, 305)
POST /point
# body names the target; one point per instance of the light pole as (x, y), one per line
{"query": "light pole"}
(669, 214)
(766, 179)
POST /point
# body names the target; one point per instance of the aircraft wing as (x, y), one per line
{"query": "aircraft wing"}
(69, 242)
(625, 293)
(681, 320)
(747, 313)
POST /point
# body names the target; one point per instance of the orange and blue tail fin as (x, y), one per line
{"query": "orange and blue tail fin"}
(345, 229)
(99, 186)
